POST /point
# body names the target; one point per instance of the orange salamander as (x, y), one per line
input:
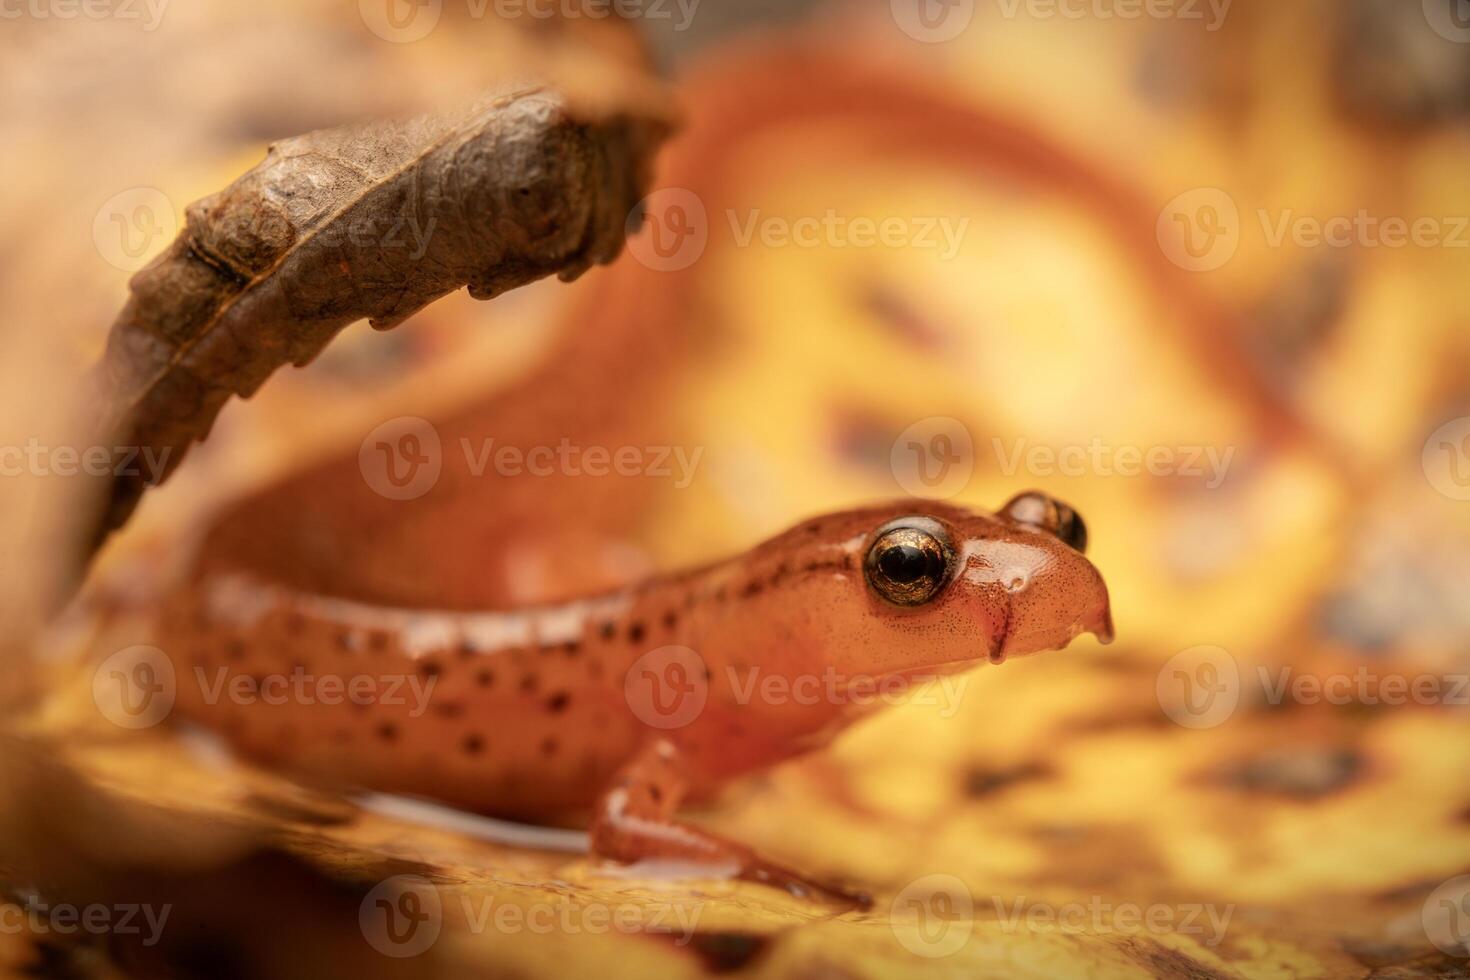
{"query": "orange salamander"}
(633, 700)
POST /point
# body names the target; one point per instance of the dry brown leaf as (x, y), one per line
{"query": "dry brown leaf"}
(374, 220)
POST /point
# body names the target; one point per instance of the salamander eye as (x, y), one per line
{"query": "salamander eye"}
(907, 565)
(1049, 514)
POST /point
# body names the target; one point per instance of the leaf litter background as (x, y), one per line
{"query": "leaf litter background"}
(1058, 781)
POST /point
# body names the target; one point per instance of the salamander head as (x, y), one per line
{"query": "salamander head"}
(942, 586)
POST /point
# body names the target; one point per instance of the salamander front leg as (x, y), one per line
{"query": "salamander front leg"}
(635, 822)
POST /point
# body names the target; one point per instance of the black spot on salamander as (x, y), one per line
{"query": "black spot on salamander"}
(558, 702)
(466, 650)
(571, 648)
(235, 649)
(671, 618)
(721, 593)
(608, 630)
(549, 746)
(485, 677)
(430, 668)
(635, 631)
(829, 565)
(752, 588)
(387, 731)
(449, 709)
(529, 683)
(348, 639)
(473, 744)
(655, 793)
